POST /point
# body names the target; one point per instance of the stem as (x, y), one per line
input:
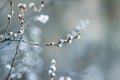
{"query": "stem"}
(9, 20)
(13, 60)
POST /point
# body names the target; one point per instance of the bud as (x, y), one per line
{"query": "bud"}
(20, 31)
(53, 74)
(20, 16)
(50, 72)
(20, 5)
(78, 36)
(24, 6)
(53, 68)
(10, 33)
(22, 21)
(12, 12)
(42, 5)
(62, 78)
(69, 41)
(8, 66)
(31, 5)
(52, 43)
(68, 78)
(59, 45)
(15, 35)
(53, 62)
(9, 17)
(69, 37)
(60, 41)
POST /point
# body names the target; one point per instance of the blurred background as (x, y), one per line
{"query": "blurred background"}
(95, 56)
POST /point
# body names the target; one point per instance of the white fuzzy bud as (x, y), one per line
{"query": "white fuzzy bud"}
(15, 35)
(12, 12)
(10, 33)
(53, 74)
(62, 78)
(60, 41)
(69, 36)
(8, 66)
(78, 36)
(22, 21)
(69, 41)
(24, 5)
(9, 16)
(42, 5)
(19, 5)
(59, 45)
(31, 5)
(53, 68)
(52, 43)
(53, 62)
(50, 72)
(68, 78)
(20, 31)
(20, 16)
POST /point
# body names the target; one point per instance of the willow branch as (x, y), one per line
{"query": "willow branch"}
(14, 58)
(59, 43)
(9, 17)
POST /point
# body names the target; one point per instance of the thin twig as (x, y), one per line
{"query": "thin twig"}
(9, 17)
(13, 60)
(46, 44)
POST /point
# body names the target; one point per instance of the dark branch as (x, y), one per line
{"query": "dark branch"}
(14, 58)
